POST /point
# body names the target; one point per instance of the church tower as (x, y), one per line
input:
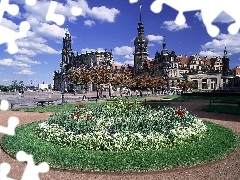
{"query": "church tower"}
(67, 53)
(140, 43)
(225, 61)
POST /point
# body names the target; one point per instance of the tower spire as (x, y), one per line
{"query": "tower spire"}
(225, 51)
(164, 43)
(140, 12)
(67, 31)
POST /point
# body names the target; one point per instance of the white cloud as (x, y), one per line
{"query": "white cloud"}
(104, 14)
(129, 56)
(208, 53)
(171, 26)
(34, 43)
(37, 45)
(9, 24)
(48, 30)
(101, 13)
(26, 59)
(130, 62)
(117, 63)
(198, 15)
(26, 52)
(92, 50)
(123, 50)
(12, 63)
(89, 23)
(87, 50)
(154, 38)
(222, 17)
(217, 44)
(25, 72)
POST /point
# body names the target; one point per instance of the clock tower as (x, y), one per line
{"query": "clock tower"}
(67, 53)
(140, 43)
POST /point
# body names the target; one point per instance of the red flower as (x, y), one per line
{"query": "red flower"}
(72, 115)
(79, 115)
(180, 112)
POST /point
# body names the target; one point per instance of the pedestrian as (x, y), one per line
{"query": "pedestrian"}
(136, 92)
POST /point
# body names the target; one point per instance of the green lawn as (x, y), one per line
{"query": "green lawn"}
(228, 109)
(219, 143)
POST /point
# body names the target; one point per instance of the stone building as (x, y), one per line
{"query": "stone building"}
(69, 60)
(141, 53)
(207, 73)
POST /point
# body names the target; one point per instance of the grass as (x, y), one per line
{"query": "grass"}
(154, 101)
(186, 98)
(55, 108)
(219, 143)
(228, 109)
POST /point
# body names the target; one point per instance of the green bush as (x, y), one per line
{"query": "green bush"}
(122, 126)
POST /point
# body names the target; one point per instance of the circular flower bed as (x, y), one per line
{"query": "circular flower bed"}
(121, 126)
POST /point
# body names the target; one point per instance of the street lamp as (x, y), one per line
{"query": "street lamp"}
(63, 82)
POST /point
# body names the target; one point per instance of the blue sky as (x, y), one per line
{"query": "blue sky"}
(106, 24)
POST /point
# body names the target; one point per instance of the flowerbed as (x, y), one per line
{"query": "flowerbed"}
(121, 126)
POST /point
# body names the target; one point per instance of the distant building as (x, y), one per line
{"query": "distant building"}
(43, 86)
(207, 73)
(69, 60)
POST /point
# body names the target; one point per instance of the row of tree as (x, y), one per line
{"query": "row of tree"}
(121, 78)
(13, 87)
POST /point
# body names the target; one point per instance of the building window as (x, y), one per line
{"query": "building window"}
(204, 84)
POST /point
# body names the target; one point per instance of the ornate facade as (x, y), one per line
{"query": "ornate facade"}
(69, 60)
(141, 53)
(207, 73)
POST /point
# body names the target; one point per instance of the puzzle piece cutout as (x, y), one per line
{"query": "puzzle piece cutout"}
(12, 9)
(12, 124)
(133, 1)
(4, 170)
(209, 10)
(5, 105)
(7, 35)
(12, 121)
(58, 18)
(31, 171)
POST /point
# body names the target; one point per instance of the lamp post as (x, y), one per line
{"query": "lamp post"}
(63, 82)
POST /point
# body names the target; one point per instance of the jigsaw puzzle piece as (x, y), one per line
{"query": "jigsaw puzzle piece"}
(12, 124)
(232, 9)
(51, 16)
(12, 9)
(9, 36)
(4, 170)
(5, 105)
(31, 171)
(180, 6)
(30, 2)
(208, 16)
(133, 1)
